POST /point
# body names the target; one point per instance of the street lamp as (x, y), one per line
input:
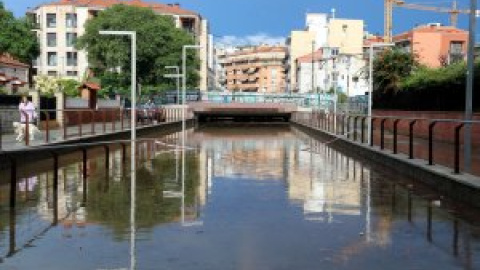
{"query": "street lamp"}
(177, 75)
(469, 86)
(133, 130)
(133, 36)
(370, 88)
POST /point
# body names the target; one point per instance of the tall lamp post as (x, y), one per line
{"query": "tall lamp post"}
(370, 87)
(469, 88)
(133, 130)
(177, 75)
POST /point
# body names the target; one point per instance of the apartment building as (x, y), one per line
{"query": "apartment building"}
(58, 24)
(433, 44)
(337, 61)
(256, 69)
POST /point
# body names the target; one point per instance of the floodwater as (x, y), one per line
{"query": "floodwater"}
(252, 198)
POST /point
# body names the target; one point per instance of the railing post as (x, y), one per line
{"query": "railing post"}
(107, 157)
(121, 119)
(92, 121)
(343, 123)
(47, 127)
(410, 138)
(395, 135)
(65, 129)
(430, 142)
(363, 128)
(372, 121)
(382, 133)
(80, 120)
(104, 116)
(355, 120)
(457, 147)
(348, 127)
(27, 129)
(114, 119)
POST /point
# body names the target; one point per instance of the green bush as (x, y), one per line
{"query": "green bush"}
(431, 89)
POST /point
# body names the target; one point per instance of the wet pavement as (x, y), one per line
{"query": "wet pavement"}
(253, 198)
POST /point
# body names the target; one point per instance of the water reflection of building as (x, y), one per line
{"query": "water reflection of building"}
(251, 153)
(323, 181)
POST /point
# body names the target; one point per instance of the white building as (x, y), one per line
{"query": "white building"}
(58, 24)
(339, 62)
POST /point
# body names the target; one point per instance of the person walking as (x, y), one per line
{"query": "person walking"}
(27, 109)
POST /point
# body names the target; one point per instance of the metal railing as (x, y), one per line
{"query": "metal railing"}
(77, 123)
(355, 128)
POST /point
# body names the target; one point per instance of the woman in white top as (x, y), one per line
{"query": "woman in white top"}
(27, 108)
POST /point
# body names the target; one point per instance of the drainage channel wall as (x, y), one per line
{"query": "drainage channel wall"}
(34, 154)
(459, 187)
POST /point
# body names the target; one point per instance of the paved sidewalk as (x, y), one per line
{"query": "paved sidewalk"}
(8, 141)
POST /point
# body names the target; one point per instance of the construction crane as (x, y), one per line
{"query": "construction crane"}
(390, 4)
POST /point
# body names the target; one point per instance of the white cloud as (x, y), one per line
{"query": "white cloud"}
(256, 39)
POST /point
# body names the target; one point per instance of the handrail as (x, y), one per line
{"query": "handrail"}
(432, 123)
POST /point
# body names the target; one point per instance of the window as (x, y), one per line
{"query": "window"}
(71, 20)
(51, 40)
(72, 73)
(71, 59)
(52, 58)
(52, 73)
(51, 20)
(456, 47)
(71, 39)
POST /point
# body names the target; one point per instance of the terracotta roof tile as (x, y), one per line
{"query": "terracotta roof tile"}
(308, 58)
(156, 6)
(90, 85)
(8, 60)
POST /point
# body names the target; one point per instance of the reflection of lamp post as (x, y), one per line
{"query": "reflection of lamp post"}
(184, 104)
(370, 89)
(133, 131)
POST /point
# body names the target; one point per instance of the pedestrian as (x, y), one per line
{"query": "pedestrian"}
(27, 109)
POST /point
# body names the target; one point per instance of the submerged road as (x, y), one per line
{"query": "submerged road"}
(253, 198)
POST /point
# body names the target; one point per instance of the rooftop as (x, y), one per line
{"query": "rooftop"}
(156, 6)
(316, 56)
(7, 60)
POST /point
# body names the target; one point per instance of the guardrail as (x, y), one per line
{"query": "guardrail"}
(355, 128)
(77, 123)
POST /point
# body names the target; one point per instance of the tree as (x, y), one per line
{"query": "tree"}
(159, 44)
(16, 37)
(389, 69)
(47, 85)
(69, 87)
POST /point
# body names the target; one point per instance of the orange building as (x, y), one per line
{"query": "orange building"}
(256, 69)
(435, 45)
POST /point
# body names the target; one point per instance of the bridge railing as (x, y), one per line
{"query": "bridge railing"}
(433, 140)
(59, 125)
(303, 100)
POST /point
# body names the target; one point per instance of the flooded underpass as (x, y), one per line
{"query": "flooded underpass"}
(253, 197)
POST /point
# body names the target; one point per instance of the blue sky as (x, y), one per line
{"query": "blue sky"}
(274, 19)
